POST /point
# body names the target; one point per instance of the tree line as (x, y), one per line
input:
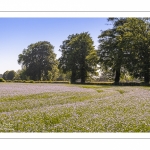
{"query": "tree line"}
(123, 49)
(126, 48)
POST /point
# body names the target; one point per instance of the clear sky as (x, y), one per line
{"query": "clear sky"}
(17, 33)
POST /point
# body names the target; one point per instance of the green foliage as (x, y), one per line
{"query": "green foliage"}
(99, 91)
(110, 52)
(125, 47)
(53, 74)
(97, 83)
(121, 91)
(9, 75)
(38, 59)
(32, 81)
(78, 56)
(10, 80)
(5, 75)
(63, 76)
(19, 81)
(21, 75)
(136, 39)
(2, 80)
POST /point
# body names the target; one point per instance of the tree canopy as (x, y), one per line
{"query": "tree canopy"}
(136, 37)
(38, 59)
(126, 47)
(110, 52)
(9, 75)
(78, 56)
(123, 51)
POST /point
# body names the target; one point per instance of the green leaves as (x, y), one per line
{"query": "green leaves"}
(136, 36)
(78, 56)
(9, 75)
(126, 46)
(38, 59)
(110, 50)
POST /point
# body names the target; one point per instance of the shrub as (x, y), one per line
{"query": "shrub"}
(52, 82)
(96, 83)
(60, 82)
(17, 81)
(2, 80)
(28, 81)
(31, 81)
(8, 80)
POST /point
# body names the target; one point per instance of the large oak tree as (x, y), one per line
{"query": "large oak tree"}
(110, 51)
(38, 59)
(136, 37)
(78, 56)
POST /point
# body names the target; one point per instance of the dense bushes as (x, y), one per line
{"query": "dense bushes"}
(87, 83)
(2, 80)
(119, 84)
(32, 81)
(97, 83)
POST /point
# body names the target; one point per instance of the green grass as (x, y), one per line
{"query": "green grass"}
(105, 109)
(94, 86)
(99, 91)
(121, 91)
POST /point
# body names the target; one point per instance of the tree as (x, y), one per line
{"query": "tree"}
(53, 74)
(67, 62)
(9, 75)
(78, 56)
(63, 76)
(136, 34)
(38, 59)
(5, 75)
(21, 75)
(110, 51)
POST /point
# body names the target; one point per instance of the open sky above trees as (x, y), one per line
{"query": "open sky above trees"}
(18, 33)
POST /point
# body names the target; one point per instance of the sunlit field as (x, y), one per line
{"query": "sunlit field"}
(45, 107)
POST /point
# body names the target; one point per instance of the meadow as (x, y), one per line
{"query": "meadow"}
(46, 107)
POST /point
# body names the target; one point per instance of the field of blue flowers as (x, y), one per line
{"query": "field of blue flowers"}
(43, 107)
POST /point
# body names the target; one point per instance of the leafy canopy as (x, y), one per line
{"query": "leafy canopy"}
(78, 56)
(38, 59)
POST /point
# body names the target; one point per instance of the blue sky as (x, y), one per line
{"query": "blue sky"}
(17, 33)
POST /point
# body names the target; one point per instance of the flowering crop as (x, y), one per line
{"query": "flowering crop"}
(12, 89)
(73, 108)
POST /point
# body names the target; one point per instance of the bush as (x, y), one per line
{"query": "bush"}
(42, 81)
(2, 80)
(96, 83)
(26, 81)
(30, 81)
(112, 83)
(9, 81)
(67, 82)
(52, 82)
(130, 84)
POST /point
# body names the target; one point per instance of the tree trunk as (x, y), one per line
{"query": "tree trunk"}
(146, 71)
(82, 80)
(73, 77)
(83, 75)
(39, 76)
(117, 76)
(146, 77)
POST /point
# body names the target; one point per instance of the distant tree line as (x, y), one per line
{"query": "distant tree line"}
(124, 50)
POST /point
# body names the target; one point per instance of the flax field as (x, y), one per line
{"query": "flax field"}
(46, 107)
